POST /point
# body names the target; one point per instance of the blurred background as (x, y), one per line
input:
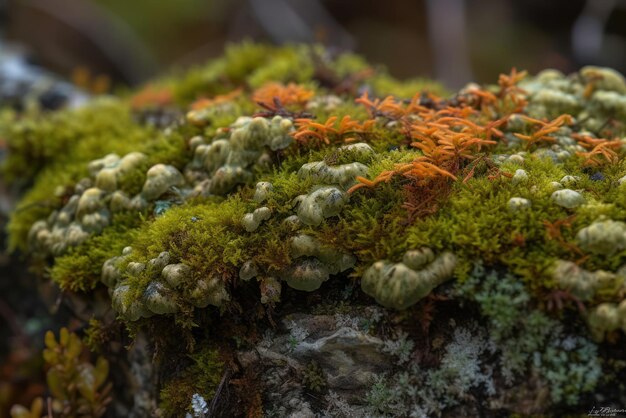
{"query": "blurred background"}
(454, 41)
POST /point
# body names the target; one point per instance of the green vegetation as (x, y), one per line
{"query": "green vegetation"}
(257, 190)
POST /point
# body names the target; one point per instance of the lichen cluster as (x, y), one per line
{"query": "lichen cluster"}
(289, 166)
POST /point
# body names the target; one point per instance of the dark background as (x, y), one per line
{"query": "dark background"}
(454, 41)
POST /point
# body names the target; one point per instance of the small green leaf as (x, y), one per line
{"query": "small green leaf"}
(50, 340)
(101, 371)
(64, 336)
(55, 384)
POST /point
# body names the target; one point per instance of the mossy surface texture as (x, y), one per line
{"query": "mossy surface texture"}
(279, 170)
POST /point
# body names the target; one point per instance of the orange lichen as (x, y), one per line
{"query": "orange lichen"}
(330, 132)
(205, 103)
(94, 83)
(601, 151)
(151, 96)
(451, 134)
(545, 129)
(272, 94)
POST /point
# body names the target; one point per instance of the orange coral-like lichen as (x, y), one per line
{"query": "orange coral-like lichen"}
(152, 96)
(601, 151)
(451, 134)
(271, 95)
(205, 103)
(329, 131)
(545, 129)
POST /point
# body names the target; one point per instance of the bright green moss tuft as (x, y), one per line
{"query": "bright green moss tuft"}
(80, 269)
(69, 137)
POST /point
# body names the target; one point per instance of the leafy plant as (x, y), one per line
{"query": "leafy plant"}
(78, 388)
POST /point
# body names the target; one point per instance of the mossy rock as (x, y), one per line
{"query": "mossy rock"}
(242, 205)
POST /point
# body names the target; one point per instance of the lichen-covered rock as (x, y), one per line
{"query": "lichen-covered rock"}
(259, 221)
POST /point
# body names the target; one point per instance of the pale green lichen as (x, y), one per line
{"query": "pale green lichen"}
(251, 221)
(343, 175)
(320, 204)
(527, 339)
(568, 198)
(399, 286)
(159, 179)
(262, 191)
(603, 237)
(586, 284)
(518, 203)
(604, 78)
(606, 318)
(227, 160)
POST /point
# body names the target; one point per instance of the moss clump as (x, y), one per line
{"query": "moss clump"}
(62, 145)
(313, 377)
(70, 137)
(81, 268)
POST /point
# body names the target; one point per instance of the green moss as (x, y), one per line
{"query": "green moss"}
(202, 376)
(286, 65)
(95, 336)
(70, 137)
(196, 262)
(55, 150)
(246, 63)
(80, 269)
(313, 377)
(205, 235)
(385, 85)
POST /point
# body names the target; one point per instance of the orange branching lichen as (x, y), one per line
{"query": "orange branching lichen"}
(389, 107)
(205, 103)
(601, 151)
(290, 95)
(508, 100)
(84, 78)
(152, 96)
(508, 83)
(329, 131)
(451, 135)
(445, 141)
(553, 231)
(545, 129)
